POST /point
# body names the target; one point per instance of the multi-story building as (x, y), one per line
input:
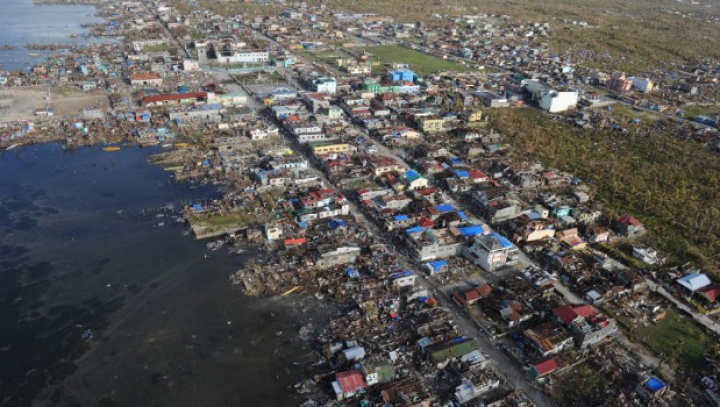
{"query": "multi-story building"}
(324, 85)
(552, 100)
(380, 164)
(492, 252)
(434, 244)
(587, 324)
(325, 148)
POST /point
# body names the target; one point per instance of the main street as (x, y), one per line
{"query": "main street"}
(509, 368)
(515, 375)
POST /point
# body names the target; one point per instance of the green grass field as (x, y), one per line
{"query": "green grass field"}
(678, 338)
(692, 111)
(419, 62)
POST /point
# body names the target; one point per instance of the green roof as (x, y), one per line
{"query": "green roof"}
(453, 349)
(384, 371)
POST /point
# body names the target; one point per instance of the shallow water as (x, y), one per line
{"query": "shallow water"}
(77, 252)
(23, 22)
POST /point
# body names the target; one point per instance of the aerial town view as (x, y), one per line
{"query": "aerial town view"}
(374, 203)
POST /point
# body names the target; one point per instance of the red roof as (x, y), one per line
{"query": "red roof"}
(317, 96)
(144, 76)
(425, 222)
(628, 219)
(711, 293)
(585, 311)
(545, 367)
(477, 174)
(350, 382)
(174, 96)
(426, 191)
(471, 296)
(293, 242)
(567, 313)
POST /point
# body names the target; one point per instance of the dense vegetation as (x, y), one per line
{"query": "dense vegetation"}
(672, 185)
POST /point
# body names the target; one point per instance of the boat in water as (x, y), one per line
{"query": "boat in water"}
(111, 148)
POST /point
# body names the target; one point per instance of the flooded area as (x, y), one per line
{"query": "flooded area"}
(114, 304)
(22, 22)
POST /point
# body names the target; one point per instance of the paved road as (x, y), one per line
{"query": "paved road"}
(704, 320)
(509, 368)
(502, 362)
(169, 34)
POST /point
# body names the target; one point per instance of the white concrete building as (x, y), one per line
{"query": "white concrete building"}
(552, 100)
(492, 252)
(243, 56)
(325, 85)
(644, 85)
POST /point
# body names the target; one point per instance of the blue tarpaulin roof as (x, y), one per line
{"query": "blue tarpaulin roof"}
(461, 174)
(400, 217)
(533, 215)
(654, 384)
(461, 214)
(473, 230)
(504, 242)
(412, 175)
(336, 223)
(445, 208)
(414, 229)
(437, 265)
(455, 160)
(400, 274)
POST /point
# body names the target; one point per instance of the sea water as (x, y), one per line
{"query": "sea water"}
(101, 306)
(22, 22)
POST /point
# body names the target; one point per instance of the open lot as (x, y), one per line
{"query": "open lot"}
(66, 102)
(692, 111)
(677, 338)
(419, 62)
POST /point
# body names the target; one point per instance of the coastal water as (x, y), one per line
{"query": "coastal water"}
(103, 306)
(23, 22)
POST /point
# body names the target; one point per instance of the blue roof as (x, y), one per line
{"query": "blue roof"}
(503, 241)
(654, 384)
(461, 174)
(533, 215)
(469, 231)
(455, 160)
(445, 208)
(461, 214)
(437, 265)
(412, 175)
(336, 223)
(400, 274)
(400, 217)
(414, 229)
